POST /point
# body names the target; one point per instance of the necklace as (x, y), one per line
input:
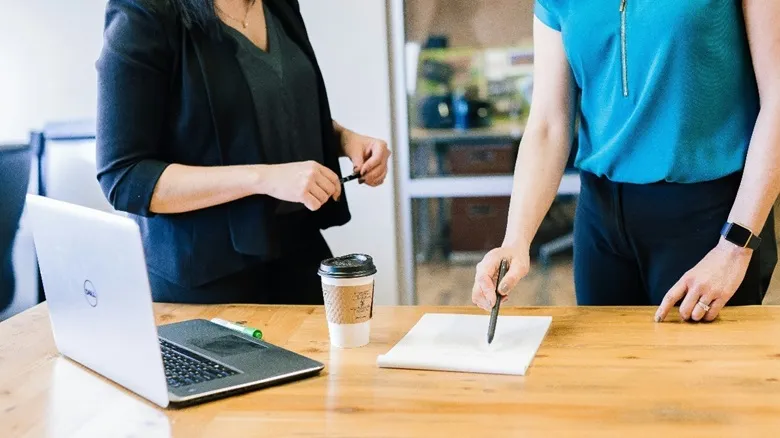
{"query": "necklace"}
(244, 22)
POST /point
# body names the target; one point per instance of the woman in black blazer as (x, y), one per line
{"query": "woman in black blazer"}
(214, 131)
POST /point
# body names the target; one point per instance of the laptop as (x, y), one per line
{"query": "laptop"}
(100, 304)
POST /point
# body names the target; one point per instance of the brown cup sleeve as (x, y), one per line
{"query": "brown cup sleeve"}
(348, 304)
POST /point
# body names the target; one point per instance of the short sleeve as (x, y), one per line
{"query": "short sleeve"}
(546, 15)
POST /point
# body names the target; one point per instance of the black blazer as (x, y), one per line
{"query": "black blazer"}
(173, 92)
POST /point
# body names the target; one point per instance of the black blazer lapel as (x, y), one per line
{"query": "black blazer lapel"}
(229, 99)
(288, 12)
(292, 20)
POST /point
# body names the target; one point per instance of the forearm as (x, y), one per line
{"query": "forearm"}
(541, 162)
(186, 188)
(760, 184)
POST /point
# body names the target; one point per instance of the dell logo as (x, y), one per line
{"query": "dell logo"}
(90, 294)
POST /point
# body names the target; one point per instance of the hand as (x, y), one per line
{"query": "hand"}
(369, 156)
(713, 281)
(308, 182)
(483, 294)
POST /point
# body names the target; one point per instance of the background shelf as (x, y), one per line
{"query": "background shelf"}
(475, 186)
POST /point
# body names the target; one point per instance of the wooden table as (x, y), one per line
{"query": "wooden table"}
(599, 372)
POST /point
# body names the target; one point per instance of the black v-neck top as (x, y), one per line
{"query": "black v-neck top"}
(284, 90)
(283, 84)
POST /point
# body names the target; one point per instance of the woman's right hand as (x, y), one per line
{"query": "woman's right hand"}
(483, 294)
(307, 182)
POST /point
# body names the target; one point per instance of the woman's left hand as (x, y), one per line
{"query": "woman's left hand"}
(369, 156)
(708, 286)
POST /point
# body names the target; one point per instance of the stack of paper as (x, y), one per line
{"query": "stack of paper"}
(449, 342)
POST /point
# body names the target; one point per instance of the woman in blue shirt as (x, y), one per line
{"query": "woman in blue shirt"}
(678, 148)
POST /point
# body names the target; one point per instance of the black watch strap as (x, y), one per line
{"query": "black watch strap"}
(740, 235)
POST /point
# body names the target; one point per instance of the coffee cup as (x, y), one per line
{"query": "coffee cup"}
(348, 291)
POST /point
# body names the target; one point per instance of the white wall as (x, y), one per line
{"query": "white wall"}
(350, 39)
(48, 50)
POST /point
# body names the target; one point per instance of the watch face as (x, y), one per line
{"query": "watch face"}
(738, 234)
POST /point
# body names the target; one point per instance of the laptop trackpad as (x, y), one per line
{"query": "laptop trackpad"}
(227, 345)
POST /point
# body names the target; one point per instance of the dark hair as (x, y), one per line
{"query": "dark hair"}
(200, 13)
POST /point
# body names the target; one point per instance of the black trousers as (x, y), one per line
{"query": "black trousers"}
(289, 280)
(633, 242)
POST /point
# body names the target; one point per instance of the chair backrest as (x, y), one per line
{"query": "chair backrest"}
(15, 162)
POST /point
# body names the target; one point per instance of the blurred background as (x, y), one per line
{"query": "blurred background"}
(446, 82)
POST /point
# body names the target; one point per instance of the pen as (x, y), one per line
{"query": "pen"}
(494, 313)
(249, 331)
(355, 175)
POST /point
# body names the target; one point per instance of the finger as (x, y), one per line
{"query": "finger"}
(319, 193)
(715, 308)
(326, 185)
(517, 270)
(477, 298)
(375, 157)
(671, 298)
(383, 166)
(358, 161)
(688, 305)
(382, 178)
(488, 288)
(333, 179)
(376, 176)
(372, 176)
(486, 279)
(698, 312)
(311, 202)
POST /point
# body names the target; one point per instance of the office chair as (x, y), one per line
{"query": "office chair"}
(15, 162)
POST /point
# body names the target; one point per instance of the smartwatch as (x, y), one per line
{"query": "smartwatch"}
(740, 235)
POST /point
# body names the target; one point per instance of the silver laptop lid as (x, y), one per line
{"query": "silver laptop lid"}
(97, 290)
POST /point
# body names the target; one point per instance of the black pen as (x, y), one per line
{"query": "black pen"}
(355, 175)
(494, 313)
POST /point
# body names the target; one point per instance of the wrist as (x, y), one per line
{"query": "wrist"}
(342, 135)
(733, 250)
(257, 179)
(516, 242)
(346, 143)
(739, 236)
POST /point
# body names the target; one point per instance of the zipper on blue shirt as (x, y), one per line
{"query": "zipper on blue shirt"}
(623, 54)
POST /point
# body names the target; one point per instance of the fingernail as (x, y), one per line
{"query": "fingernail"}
(503, 288)
(657, 318)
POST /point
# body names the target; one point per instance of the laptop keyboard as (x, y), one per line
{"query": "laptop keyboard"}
(183, 368)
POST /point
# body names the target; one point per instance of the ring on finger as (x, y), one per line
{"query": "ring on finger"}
(704, 306)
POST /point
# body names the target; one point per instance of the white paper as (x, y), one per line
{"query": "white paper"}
(451, 342)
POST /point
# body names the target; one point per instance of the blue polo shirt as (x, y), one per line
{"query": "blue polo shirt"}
(668, 91)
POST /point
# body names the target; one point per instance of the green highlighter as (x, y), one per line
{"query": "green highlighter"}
(249, 331)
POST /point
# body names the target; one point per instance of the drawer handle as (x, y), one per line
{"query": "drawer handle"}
(480, 210)
(483, 156)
